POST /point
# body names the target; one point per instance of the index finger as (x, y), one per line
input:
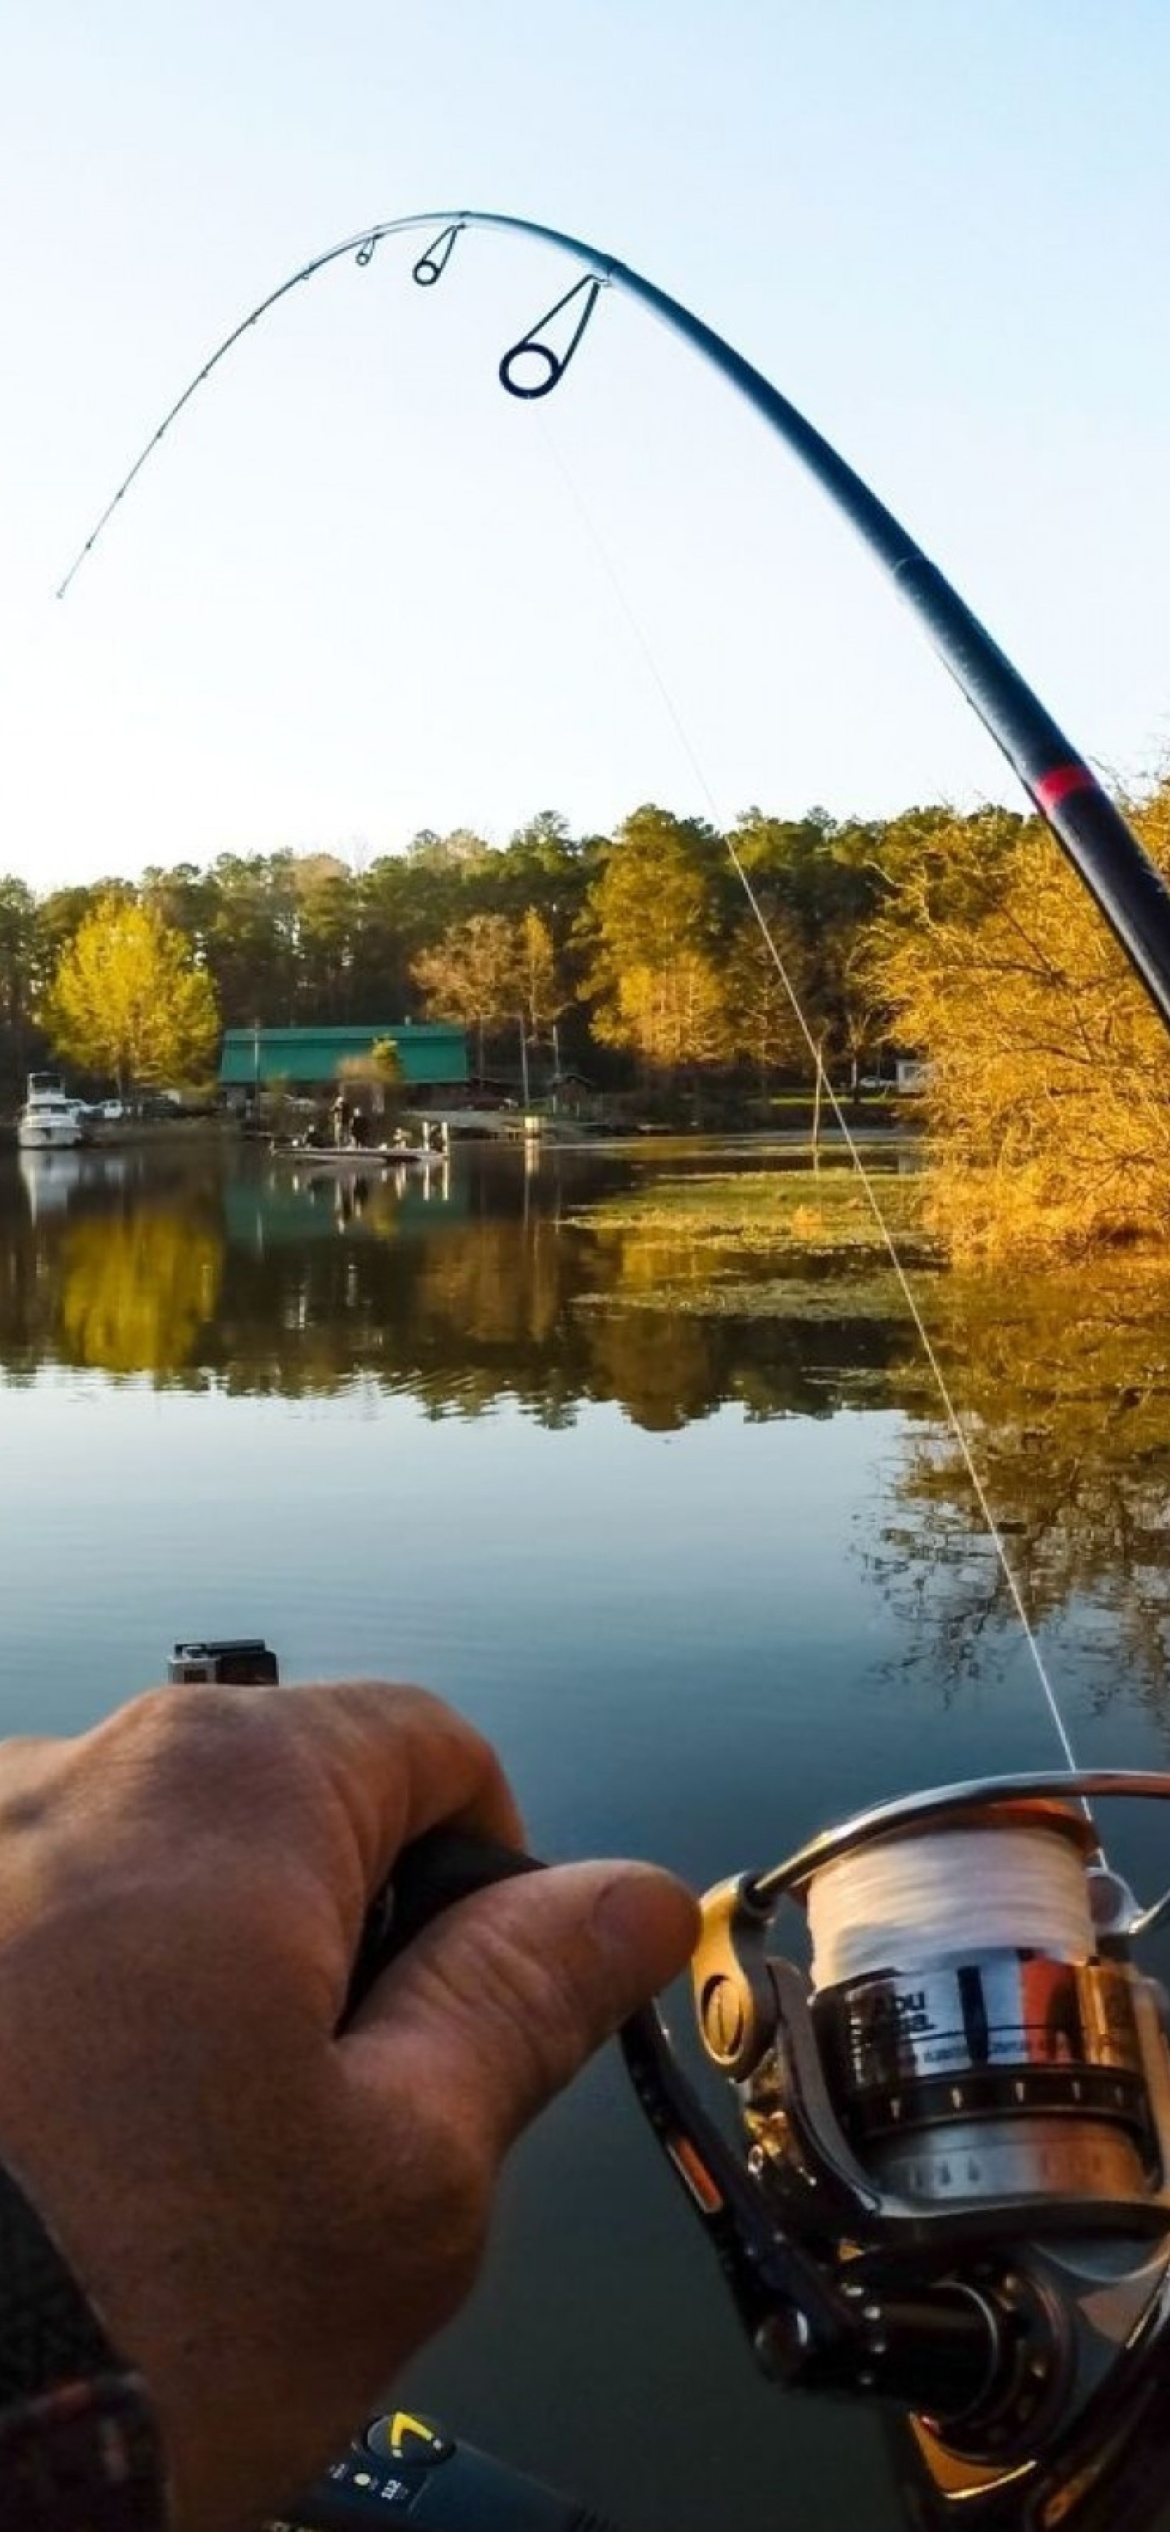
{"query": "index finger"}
(401, 1761)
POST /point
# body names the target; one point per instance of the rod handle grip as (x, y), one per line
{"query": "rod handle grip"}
(431, 1875)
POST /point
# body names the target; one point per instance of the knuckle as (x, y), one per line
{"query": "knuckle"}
(189, 1737)
(30, 1772)
(167, 1715)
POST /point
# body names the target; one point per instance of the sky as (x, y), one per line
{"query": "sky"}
(358, 591)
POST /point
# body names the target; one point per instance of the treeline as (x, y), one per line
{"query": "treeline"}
(634, 957)
(1048, 1115)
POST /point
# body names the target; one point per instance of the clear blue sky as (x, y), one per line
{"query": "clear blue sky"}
(352, 595)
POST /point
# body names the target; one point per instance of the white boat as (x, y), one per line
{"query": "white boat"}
(49, 1121)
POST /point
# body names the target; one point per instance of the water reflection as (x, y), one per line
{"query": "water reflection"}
(1062, 1382)
(487, 1281)
(52, 1179)
(678, 1647)
(462, 1287)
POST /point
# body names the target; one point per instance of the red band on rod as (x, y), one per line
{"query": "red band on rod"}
(1060, 782)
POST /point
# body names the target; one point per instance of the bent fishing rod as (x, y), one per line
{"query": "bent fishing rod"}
(948, 2192)
(1087, 825)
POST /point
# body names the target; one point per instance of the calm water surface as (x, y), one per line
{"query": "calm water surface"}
(706, 1576)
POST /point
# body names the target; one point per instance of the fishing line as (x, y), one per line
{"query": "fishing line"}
(914, 1900)
(1062, 786)
(864, 1175)
(363, 254)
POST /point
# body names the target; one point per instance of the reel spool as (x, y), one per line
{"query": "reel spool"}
(1003, 2063)
(952, 2191)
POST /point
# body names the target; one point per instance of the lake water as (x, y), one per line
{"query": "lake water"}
(705, 1575)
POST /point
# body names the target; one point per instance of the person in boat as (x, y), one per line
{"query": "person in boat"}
(224, 2225)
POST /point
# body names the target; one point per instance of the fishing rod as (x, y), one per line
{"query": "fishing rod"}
(1087, 825)
(949, 2189)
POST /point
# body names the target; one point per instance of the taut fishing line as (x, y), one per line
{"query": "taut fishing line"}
(857, 1159)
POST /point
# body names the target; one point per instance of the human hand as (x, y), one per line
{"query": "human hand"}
(269, 2215)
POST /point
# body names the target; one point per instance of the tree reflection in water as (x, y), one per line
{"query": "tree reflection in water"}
(475, 1288)
(104, 1276)
(463, 1291)
(1062, 1383)
(135, 1293)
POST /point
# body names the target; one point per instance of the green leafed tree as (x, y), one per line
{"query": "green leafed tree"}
(764, 1030)
(18, 941)
(128, 1000)
(378, 1078)
(656, 922)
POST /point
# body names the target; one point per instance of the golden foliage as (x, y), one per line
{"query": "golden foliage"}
(1048, 1106)
(127, 998)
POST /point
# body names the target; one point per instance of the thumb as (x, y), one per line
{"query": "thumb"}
(505, 1996)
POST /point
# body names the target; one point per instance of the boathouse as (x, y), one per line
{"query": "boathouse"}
(432, 1053)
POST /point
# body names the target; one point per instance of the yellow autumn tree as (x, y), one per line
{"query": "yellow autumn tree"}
(470, 975)
(1047, 1107)
(127, 998)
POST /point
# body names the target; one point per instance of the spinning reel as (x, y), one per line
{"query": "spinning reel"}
(951, 2186)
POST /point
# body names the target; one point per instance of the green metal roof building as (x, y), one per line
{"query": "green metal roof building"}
(433, 1055)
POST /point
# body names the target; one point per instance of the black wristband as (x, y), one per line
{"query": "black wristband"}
(49, 2333)
(85, 2458)
(78, 2442)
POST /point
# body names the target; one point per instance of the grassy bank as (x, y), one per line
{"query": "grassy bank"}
(820, 1212)
(761, 1243)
